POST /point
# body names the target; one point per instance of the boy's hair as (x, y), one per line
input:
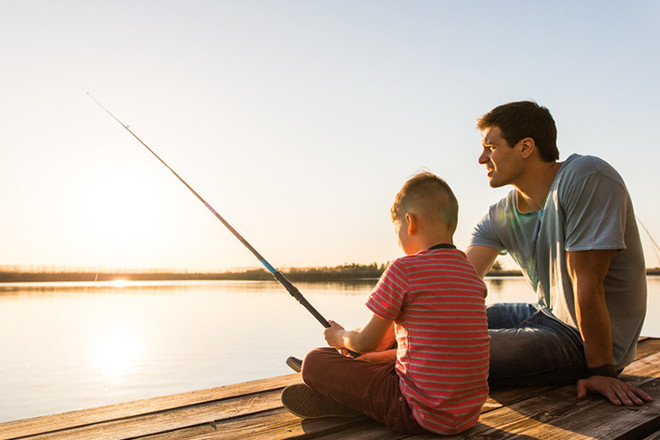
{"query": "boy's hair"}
(518, 120)
(428, 195)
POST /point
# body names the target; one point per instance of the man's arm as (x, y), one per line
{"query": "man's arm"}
(482, 258)
(587, 270)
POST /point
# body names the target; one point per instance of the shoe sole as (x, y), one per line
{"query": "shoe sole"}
(306, 403)
(294, 363)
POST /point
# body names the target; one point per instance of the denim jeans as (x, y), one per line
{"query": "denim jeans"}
(528, 347)
(368, 387)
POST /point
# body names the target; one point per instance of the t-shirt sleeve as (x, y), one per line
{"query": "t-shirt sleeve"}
(485, 234)
(595, 207)
(389, 295)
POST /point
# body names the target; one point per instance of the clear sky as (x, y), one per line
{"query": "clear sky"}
(297, 120)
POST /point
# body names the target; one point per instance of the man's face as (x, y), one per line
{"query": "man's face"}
(503, 163)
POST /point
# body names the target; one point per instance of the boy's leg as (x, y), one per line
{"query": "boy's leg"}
(368, 387)
(527, 348)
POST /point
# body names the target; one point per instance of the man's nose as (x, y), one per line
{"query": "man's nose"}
(485, 157)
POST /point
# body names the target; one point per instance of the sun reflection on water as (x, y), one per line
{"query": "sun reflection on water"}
(116, 351)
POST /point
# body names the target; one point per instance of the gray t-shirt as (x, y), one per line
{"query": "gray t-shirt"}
(587, 208)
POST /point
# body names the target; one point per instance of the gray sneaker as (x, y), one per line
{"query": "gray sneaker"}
(308, 404)
(294, 363)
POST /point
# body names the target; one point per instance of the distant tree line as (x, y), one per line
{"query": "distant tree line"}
(344, 272)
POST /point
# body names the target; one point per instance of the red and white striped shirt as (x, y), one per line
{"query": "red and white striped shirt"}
(437, 301)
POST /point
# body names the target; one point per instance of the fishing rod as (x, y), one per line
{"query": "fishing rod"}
(293, 290)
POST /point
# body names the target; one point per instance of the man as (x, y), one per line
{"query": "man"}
(571, 228)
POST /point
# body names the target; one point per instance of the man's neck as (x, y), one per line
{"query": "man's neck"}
(534, 186)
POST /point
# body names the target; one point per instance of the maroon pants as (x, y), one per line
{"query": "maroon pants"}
(368, 387)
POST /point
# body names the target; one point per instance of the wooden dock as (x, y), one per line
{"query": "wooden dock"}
(253, 410)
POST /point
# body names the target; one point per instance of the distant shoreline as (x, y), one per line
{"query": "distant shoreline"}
(351, 272)
(339, 273)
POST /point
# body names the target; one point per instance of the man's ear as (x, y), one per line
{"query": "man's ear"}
(411, 222)
(527, 147)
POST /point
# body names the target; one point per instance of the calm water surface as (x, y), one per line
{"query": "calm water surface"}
(67, 346)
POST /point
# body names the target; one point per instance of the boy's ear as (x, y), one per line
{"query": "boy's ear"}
(411, 221)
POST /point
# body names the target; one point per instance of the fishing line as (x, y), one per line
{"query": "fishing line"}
(656, 248)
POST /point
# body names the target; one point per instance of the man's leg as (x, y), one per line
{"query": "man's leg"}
(527, 348)
(368, 387)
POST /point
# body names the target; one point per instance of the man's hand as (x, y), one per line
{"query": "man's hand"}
(615, 390)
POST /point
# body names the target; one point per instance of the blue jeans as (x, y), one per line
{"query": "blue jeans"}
(527, 347)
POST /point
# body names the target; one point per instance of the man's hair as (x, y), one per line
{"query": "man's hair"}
(518, 120)
(427, 195)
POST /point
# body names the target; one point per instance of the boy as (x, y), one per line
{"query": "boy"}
(436, 380)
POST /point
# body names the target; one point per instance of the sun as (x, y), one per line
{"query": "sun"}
(120, 283)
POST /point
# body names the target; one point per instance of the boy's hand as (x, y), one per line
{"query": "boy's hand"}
(346, 352)
(334, 335)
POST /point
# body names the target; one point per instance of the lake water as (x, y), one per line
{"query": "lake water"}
(67, 346)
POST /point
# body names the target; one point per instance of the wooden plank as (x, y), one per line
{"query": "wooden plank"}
(547, 418)
(205, 413)
(280, 424)
(647, 347)
(183, 433)
(654, 436)
(648, 367)
(601, 420)
(115, 415)
(505, 396)
(560, 415)
(378, 432)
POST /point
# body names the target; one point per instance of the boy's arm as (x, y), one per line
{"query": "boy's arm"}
(389, 339)
(362, 340)
(386, 356)
(482, 258)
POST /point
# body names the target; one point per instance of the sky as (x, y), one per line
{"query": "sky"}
(298, 121)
